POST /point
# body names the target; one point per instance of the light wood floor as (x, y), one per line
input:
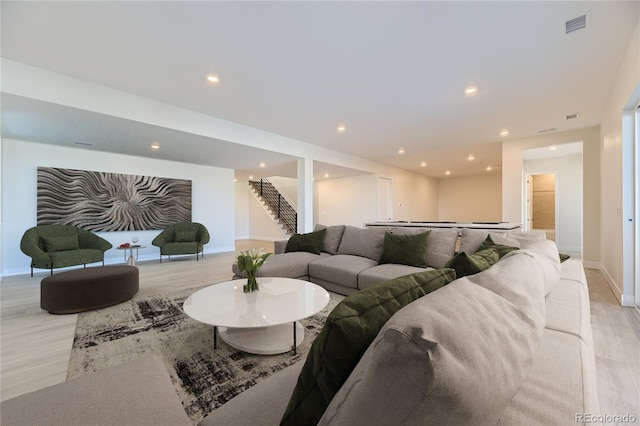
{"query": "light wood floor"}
(35, 346)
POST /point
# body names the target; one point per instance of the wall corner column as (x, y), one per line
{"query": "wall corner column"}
(305, 195)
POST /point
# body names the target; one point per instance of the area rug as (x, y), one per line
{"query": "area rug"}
(204, 378)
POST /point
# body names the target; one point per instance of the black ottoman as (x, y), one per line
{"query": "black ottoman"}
(86, 289)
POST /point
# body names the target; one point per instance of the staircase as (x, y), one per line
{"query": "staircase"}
(280, 210)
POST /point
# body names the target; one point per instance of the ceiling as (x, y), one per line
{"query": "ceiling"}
(392, 72)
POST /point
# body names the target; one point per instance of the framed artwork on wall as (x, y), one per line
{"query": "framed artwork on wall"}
(100, 201)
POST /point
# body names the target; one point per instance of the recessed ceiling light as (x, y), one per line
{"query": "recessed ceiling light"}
(489, 168)
(423, 164)
(342, 128)
(447, 173)
(504, 132)
(212, 78)
(235, 180)
(250, 176)
(262, 164)
(471, 157)
(553, 148)
(326, 175)
(471, 90)
(155, 145)
(401, 151)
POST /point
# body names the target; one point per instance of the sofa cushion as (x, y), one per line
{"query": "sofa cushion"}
(364, 242)
(349, 330)
(468, 264)
(501, 248)
(546, 254)
(185, 236)
(567, 309)
(332, 237)
(61, 259)
(310, 242)
(471, 239)
(561, 385)
(455, 357)
(388, 271)
(61, 243)
(408, 250)
(286, 265)
(340, 269)
(441, 245)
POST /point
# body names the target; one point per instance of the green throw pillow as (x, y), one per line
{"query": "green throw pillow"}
(311, 242)
(465, 264)
(69, 242)
(349, 330)
(564, 257)
(405, 249)
(502, 249)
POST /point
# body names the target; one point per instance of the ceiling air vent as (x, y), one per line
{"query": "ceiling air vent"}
(572, 116)
(84, 144)
(550, 129)
(575, 24)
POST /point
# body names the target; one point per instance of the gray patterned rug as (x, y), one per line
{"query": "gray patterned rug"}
(204, 378)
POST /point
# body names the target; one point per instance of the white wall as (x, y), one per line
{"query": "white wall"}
(261, 225)
(354, 200)
(622, 97)
(470, 199)
(569, 195)
(241, 193)
(512, 182)
(288, 187)
(212, 192)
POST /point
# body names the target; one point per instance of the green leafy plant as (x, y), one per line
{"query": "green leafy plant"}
(249, 262)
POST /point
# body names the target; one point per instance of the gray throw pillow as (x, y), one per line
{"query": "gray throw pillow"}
(363, 242)
(332, 237)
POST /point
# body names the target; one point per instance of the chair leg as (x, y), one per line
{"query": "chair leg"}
(52, 270)
(32, 272)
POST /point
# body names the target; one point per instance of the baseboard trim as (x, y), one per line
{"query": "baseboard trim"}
(612, 284)
(589, 264)
(253, 237)
(628, 300)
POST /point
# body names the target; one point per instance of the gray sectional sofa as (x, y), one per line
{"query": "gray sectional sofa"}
(511, 345)
(349, 260)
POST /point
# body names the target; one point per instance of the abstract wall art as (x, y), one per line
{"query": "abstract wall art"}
(99, 201)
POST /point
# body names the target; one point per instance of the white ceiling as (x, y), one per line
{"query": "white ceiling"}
(392, 72)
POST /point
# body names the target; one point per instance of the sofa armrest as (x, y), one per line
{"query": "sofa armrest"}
(30, 246)
(90, 240)
(279, 246)
(138, 392)
(264, 403)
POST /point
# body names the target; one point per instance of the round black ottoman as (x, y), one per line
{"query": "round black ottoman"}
(86, 289)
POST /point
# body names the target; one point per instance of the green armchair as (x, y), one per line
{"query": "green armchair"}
(182, 238)
(59, 246)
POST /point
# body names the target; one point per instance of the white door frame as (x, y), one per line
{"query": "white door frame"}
(528, 193)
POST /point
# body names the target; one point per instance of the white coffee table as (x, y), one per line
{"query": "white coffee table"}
(264, 322)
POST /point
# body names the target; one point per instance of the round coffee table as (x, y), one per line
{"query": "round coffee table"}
(264, 322)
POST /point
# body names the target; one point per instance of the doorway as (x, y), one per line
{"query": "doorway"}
(385, 199)
(541, 203)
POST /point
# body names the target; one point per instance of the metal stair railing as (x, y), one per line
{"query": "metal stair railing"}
(285, 213)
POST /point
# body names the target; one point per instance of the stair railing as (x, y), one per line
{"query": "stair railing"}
(285, 213)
